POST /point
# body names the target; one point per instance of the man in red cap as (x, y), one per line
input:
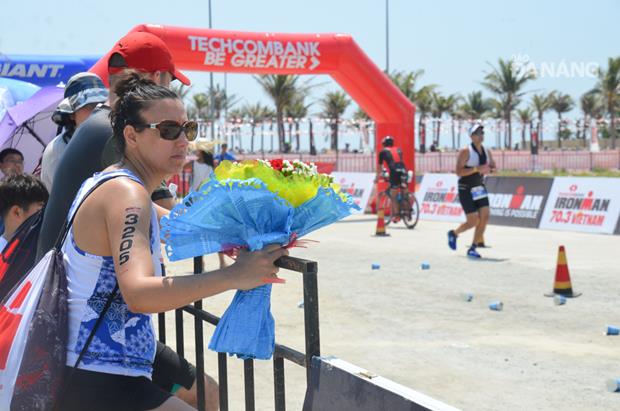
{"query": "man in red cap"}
(144, 52)
(90, 150)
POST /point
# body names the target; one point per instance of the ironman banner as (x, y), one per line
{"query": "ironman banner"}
(587, 204)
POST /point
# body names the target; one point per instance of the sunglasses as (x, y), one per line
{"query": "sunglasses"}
(171, 130)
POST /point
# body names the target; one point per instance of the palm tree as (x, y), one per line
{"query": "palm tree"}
(255, 114)
(441, 105)
(561, 103)
(452, 105)
(592, 108)
(507, 82)
(497, 113)
(361, 123)
(424, 103)
(200, 106)
(540, 103)
(608, 87)
(334, 105)
(298, 109)
(475, 107)
(406, 83)
(221, 100)
(236, 118)
(282, 89)
(525, 117)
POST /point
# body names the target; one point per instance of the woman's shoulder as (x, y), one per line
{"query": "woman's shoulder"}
(119, 186)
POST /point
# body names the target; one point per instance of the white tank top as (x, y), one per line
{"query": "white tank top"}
(474, 157)
(124, 343)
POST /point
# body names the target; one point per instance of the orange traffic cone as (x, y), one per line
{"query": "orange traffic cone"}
(562, 284)
(380, 231)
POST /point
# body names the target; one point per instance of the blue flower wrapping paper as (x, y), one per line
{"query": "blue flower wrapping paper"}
(229, 214)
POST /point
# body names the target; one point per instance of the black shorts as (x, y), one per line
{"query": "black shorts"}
(397, 179)
(97, 391)
(467, 200)
(170, 369)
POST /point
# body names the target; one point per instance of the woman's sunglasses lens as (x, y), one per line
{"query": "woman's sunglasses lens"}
(169, 131)
(191, 130)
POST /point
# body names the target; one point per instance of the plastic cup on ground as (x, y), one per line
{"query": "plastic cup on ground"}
(612, 330)
(467, 297)
(425, 266)
(613, 385)
(559, 299)
(375, 266)
(300, 304)
(496, 306)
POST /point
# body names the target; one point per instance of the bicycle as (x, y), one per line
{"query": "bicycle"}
(409, 209)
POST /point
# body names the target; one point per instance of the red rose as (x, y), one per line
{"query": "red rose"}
(277, 164)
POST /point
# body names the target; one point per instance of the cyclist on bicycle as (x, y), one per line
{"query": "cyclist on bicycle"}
(393, 159)
(472, 164)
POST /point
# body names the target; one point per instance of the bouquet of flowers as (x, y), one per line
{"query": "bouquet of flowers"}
(251, 204)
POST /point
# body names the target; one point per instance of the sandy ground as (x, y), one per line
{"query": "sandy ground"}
(412, 326)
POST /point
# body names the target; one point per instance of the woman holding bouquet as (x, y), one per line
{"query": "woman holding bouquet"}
(112, 257)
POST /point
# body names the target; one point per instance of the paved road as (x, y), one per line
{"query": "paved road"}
(411, 325)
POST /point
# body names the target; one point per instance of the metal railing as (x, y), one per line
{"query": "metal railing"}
(309, 270)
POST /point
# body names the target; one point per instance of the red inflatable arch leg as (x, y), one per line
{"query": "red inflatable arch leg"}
(337, 55)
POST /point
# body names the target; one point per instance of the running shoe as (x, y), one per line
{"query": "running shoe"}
(472, 253)
(452, 239)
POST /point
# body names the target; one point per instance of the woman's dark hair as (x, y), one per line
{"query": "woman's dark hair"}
(136, 92)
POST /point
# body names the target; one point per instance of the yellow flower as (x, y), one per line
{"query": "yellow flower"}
(295, 188)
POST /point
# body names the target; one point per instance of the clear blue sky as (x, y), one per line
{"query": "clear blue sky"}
(453, 41)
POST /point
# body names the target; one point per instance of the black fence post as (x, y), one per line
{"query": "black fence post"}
(161, 317)
(178, 325)
(311, 317)
(222, 376)
(279, 393)
(200, 366)
(248, 374)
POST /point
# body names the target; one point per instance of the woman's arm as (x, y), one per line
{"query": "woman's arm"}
(127, 223)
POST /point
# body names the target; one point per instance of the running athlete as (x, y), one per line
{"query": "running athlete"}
(393, 159)
(472, 164)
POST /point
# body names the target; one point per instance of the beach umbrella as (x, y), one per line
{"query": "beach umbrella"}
(28, 126)
(13, 92)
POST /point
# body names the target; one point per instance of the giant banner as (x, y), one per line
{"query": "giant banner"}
(44, 70)
(588, 204)
(439, 198)
(517, 201)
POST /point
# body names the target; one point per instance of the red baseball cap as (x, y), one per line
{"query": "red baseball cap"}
(146, 52)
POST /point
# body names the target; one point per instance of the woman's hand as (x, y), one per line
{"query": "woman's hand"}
(251, 268)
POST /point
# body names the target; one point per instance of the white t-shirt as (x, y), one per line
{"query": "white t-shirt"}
(51, 158)
(200, 173)
(3, 243)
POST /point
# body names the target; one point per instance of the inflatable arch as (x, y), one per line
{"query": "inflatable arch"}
(337, 55)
